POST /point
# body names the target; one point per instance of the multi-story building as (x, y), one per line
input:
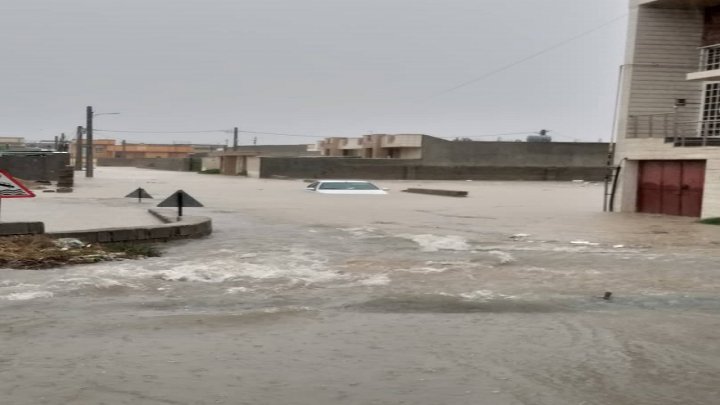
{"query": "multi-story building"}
(375, 146)
(668, 129)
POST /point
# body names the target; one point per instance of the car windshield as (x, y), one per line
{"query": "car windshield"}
(348, 185)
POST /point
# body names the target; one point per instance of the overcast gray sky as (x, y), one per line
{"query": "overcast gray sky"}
(309, 67)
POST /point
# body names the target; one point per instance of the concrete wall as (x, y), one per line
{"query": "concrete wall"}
(332, 168)
(513, 154)
(210, 163)
(410, 153)
(35, 167)
(253, 166)
(342, 168)
(173, 164)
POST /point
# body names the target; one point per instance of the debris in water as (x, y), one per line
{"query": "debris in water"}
(607, 296)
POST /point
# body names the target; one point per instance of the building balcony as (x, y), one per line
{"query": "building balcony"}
(709, 69)
(678, 133)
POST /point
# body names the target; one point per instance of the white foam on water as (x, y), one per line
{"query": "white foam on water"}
(434, 243)
(11, 284)
(293, 308)
(484, 295)
(583, 243)
(96, 282)
(365, 232)
(27, 295)
(235, 290)
(294, 267)
(503, 257)
(537, 269)
(212, 272)
(376, 280)
(297, 264)
(305, 274)
(425, 270)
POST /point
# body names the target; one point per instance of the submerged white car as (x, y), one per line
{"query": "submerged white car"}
(344, 187)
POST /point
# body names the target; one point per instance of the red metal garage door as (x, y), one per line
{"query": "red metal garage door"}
(671, 187)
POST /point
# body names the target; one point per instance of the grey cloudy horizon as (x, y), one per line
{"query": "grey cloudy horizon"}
(309, 67)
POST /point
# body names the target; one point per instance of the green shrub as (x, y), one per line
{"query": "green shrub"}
(711, 221)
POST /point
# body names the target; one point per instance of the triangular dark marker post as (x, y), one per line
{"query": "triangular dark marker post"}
(139, 193)
(180, 199)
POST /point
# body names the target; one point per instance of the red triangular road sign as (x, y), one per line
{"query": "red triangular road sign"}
(12, 188)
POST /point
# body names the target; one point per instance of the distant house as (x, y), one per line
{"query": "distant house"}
(143, 151)
(668, 130)
(245, 160)
(375, 146)
(111, 149)
(11, 142)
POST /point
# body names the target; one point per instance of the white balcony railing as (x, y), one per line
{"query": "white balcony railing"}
(709, 58)
(680, 133)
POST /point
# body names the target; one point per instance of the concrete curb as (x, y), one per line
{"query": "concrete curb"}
(171, 229)
(21, 228)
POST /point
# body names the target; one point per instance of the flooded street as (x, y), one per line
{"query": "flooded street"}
(299, 298)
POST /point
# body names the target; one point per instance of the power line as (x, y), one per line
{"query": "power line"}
(164, 132)
(281, 134)
(527, 58)
(209, 131)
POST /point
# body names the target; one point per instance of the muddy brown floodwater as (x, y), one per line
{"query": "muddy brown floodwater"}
(300, 298)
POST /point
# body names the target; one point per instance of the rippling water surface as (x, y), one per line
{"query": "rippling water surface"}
(432, 309)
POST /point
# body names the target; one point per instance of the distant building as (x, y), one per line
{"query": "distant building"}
(375, 146)
(141, 150)
(204, 148)
(11, 142)
(416, 156)
(110, 148)
(245, 160)
(668, 130)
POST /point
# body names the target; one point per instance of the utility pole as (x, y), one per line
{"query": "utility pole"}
(79, 149)
(90, 147)
(63, 143)
(235, 138)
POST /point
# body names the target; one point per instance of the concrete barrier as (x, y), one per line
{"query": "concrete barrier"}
(171, 229)
(414, 169)
(445, 193)
(21, 228)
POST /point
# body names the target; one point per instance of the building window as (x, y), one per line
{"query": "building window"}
(711, 110)
(711, 58)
